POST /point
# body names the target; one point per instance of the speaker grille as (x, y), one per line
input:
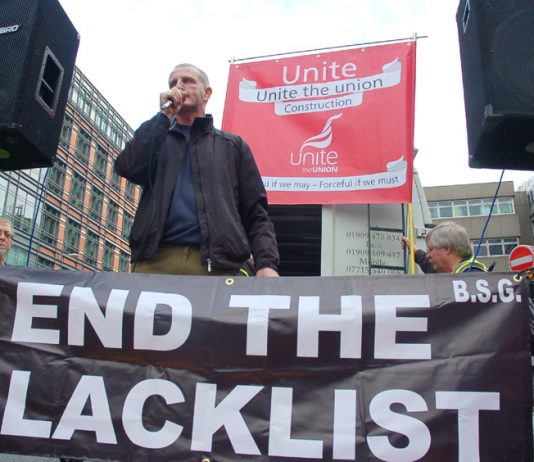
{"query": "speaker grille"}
(13, 68)
(513, 46)
(37, 55)
(497, 53)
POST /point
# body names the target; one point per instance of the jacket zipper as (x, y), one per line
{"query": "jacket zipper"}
(201, 186)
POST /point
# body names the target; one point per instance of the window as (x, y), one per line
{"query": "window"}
(56, 178)
(23, 210)
(445, 209)
(18, 205)
(479, 207)
(101, 162)
(3, 195)
(127, 221)
(82, 97)
(115, 180)
(66, 132)
(11, 196)
(505, 206)
(91, 249)
(83, 147)
(37, 174)
(130, 188)
(72, 237)
(496, 247)
(98, 115)
(49, 225)
(95, 204)
(459, 209)
(17, 256)
(109, 250)
(43, 262)
(77, 190)
(123, 261)
(471, 207)
(113, 215)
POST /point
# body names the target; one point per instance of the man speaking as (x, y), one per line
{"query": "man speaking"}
(203, 210)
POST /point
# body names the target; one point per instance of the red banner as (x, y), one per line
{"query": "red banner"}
(329, 128)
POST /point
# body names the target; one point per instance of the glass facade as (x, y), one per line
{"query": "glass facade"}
(78, 213)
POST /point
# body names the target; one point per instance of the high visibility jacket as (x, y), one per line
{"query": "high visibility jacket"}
(464, 265)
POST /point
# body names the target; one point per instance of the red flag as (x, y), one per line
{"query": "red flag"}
(329, 128)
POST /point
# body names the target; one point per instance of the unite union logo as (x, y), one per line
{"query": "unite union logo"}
(313, 156)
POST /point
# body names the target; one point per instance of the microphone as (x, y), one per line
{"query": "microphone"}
(166, 105)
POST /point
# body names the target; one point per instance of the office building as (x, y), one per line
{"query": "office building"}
(78, 213)
(470, 205)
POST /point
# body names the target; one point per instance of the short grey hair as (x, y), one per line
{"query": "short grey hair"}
(5, 221)
(450, 234)
(203, 76)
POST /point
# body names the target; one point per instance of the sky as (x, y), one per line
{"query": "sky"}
(128, 48)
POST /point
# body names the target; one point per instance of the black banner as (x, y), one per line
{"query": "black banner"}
(127, 367)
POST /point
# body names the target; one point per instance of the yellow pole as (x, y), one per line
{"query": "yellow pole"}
(411, 237)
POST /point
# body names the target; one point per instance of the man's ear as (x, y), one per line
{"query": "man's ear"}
(207, 94)
(448, 250)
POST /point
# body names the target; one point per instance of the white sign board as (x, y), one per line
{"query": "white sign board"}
(346, 249)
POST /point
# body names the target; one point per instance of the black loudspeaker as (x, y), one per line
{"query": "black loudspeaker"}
(38, 46)
(497, 55)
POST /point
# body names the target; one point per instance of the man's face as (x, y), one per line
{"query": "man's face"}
(188, 79)
(6, 235)
(439, 257)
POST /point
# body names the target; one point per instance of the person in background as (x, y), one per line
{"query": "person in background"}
(6, 239)
(203, 209)
(449, 250)
(420, 256)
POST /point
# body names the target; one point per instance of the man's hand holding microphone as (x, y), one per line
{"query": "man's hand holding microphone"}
(171, 101)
